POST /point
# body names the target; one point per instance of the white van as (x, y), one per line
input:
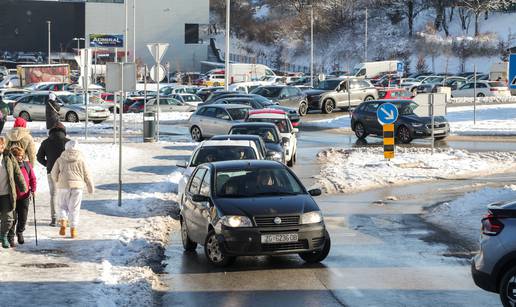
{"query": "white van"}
(372, 69)
(241, 72)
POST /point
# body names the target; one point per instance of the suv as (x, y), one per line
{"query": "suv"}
(331, 94)
(494, 267)
(216, 119)
(285, 95)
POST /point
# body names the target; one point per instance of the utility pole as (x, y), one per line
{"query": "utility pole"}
(311, 44)
(134, 31)
(226, 58)
(126, 38)
(49, 36)
(365, 42)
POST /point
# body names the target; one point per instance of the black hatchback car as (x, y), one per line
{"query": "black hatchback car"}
(409, 126)
(250, 208)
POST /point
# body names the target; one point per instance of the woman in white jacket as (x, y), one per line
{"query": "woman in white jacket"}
(71, 176)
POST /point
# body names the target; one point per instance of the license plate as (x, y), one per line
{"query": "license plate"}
(280, 238)
(438, 131)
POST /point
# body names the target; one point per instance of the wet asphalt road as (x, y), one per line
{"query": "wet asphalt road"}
(383, 253)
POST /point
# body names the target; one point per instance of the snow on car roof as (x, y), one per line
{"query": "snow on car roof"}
(267, 111)
(218, 143)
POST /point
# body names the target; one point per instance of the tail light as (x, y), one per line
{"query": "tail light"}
(493, 89)
(491, 225)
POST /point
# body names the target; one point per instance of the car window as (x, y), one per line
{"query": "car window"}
(496, 84)
(206, 184)
(267, 134)
(364, 84)
(407, 109)
(354, 84)
(38, 99)
(222, 153)
(481, 85)
(372, 107)
(382, 94)
(209, 112)
(281, 123)
(238, 114)
(195, 184)
(222, 114)
(292, 91)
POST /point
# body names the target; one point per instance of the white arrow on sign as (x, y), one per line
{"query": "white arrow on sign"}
(390, 115)
(158, 50)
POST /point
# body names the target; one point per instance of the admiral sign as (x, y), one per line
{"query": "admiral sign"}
(107, 40)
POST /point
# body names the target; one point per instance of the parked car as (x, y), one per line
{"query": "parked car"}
(289, 96)
(168, 105)
(216, 119)
(204, 93)
(129, 101)
(483, 89)
(214, 151)
(174, 89)
(219, 94)
(429, 84)
(394, 93)
(48, 86)
(189, 99)
(248, 208)
(494, 267)
(270, 134)
(246, 87)
(412, 85)
(332, 93)
(32, 107)
(10, 81)
(409, 126)
(281, 120)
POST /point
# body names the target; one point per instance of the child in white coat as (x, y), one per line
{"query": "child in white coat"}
(71, 176)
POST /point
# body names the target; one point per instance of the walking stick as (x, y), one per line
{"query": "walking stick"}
(35, 223)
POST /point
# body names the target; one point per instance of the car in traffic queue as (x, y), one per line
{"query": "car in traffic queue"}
(214, 151)
(271, 136)
(251, 208)
(211, 120)
(483, 89)
(281, 120)
(331, 94)
(433, 85)
(407, 127)
(204, 93)
(258, 142)
(394, 93)
(494, 267)
(284, 95)
(31, 107)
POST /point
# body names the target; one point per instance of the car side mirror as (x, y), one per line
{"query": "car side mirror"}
(200, 198)
(315, 192)
(295, 130)
(181, 164)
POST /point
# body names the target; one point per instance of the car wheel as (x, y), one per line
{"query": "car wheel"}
(369, 98)
(290, 162)
(403, 135)
(214, 253)
(508, 288)
(320, 255)
(25, 116)
(188, 244)
(72, 117)
(303, 108)
(328, 106)
(196, 134)
(480, 95)
(439, 138)
(360, 131)
(97, 121)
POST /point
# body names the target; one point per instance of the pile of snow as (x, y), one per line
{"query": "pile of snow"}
(490, 120)
(350, 170)
(463, 215)
(343, 122)
(482, 100)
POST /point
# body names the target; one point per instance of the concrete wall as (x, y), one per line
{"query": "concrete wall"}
(161, 21)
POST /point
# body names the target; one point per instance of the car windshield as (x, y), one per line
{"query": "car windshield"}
(266, 133)
(72, 99)
(497, 84)
(407, 108)
(262, 100)
(238, 114)
(261, 182)
(282, 124)
(268, 91)
(223, 153)
(328, 85)
(191, 98)
(166, 90)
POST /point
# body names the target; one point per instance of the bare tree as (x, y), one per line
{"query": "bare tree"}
(478, 6)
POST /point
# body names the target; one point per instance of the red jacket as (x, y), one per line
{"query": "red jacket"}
(30, 180)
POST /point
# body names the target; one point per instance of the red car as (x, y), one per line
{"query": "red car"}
(394, 93)
(108, 97)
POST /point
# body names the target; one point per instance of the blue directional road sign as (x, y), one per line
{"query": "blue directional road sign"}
(387, 113)
(399, 69)
(512, 72)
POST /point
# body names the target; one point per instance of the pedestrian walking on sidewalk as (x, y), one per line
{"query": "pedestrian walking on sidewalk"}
(50, 149)
(52, 108)
(11, 180)
(4, 112)
(22, 198)
(20, 136)
(71, 175)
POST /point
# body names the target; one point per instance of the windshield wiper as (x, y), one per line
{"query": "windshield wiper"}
(276, 193)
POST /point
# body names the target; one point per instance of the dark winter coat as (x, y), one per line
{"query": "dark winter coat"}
(15, 179)
(52, 113)
(52, 147)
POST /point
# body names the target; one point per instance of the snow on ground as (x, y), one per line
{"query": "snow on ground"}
(463, 214)
(351, 170)
(490, 120)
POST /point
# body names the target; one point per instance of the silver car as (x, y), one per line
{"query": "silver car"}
(494, 267)
(169, 105)
(216, 119)
(32, 108)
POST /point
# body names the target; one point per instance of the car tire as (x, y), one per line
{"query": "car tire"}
(480, 95)
(403, 135)
(72, 117)
(25, 116)
(439, 138)
(188, 244)
(507, 287)
(320, 255)
(98, 121)
(360, 131)
(213, 252)
(369, 98)
(196, 133)
(303, 108)
(328, 106)
(290, 163)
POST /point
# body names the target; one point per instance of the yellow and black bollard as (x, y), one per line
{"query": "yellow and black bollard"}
(388, 141)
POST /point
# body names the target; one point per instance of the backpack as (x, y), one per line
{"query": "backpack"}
(29, 172)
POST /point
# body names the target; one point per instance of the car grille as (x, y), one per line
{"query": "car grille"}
(284, 246)
(317, 242)
(268, 221)
(436, 126)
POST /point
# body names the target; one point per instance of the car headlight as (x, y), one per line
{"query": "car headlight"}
(417, 125)
(311, 217)
(236, 221)
(276, 156)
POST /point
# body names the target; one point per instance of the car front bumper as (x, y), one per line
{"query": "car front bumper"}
(425, 132)
(247, 241)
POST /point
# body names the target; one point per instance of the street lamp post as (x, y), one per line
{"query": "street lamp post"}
(226, 58)
(78, 39)
(311, 45)
(134, 31)
(48, 24)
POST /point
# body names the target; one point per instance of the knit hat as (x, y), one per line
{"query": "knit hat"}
(71, 144)
(58, 127)
(20, 122)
